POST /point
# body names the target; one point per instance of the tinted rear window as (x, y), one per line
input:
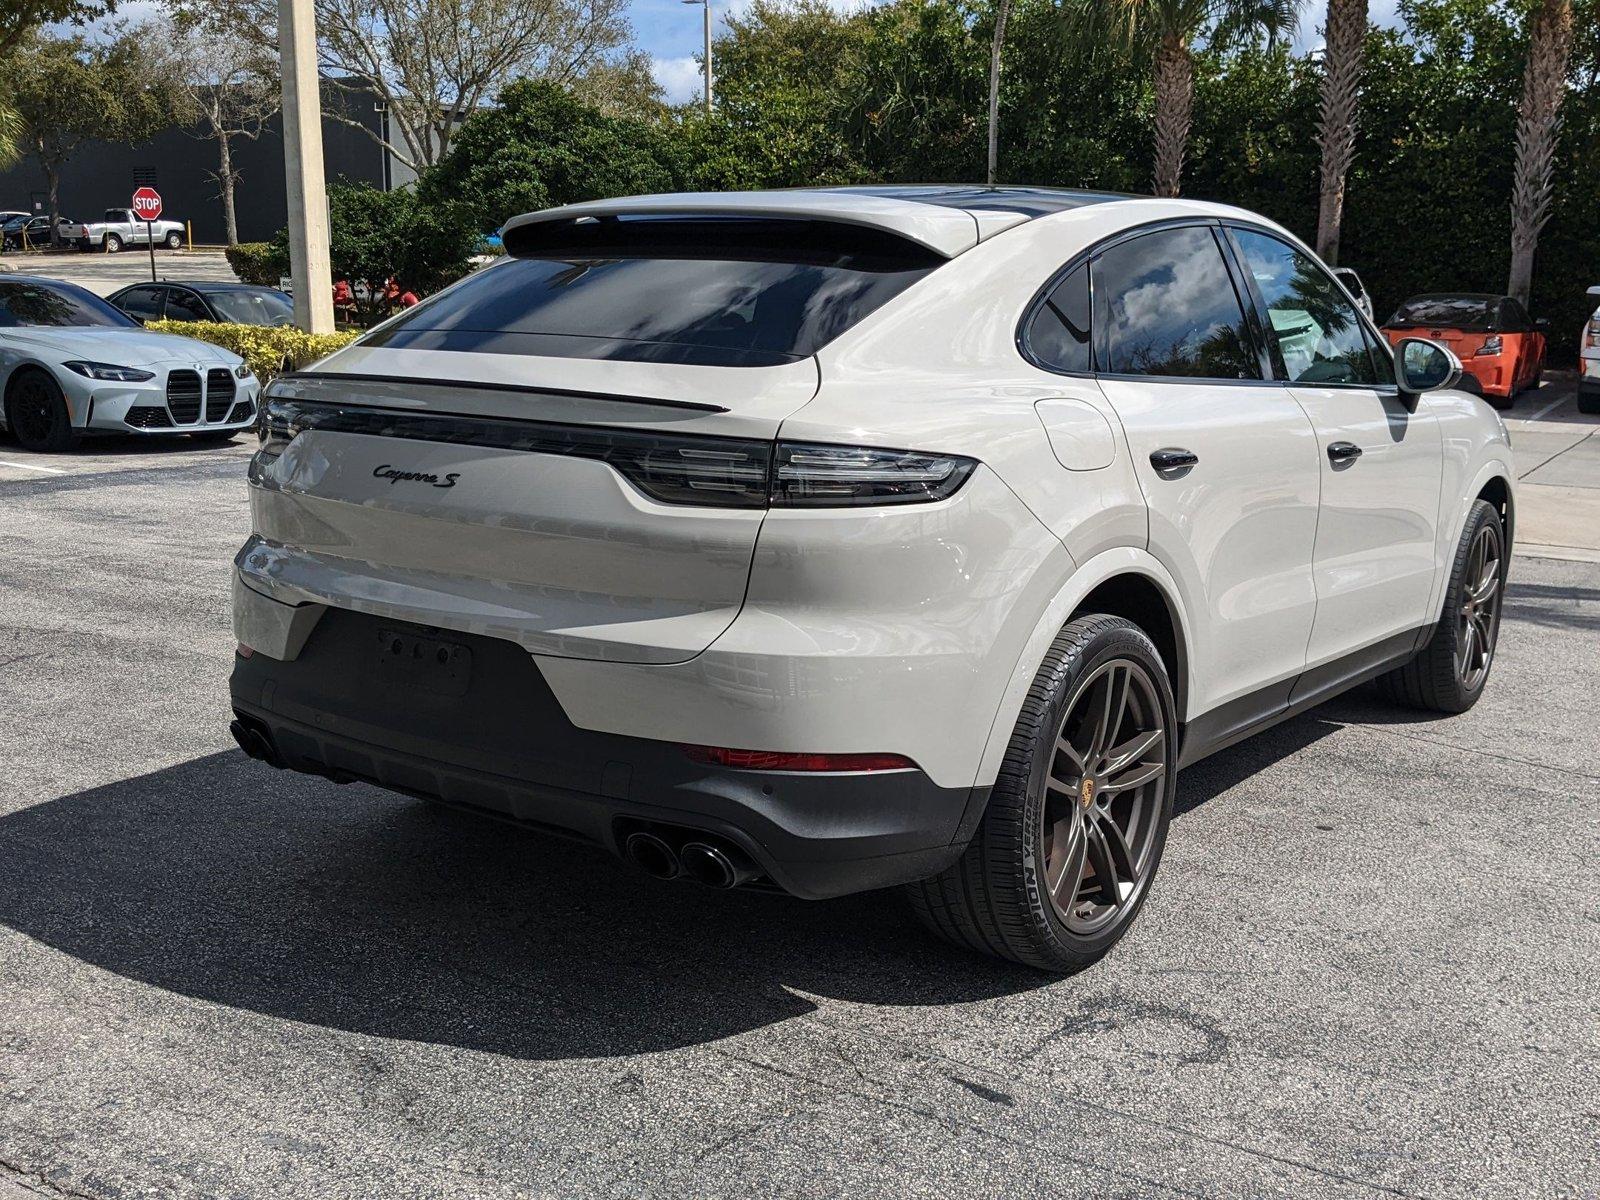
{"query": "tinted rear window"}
(1448, 312)
(732, 292)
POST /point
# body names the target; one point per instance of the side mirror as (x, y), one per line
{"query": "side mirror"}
(1421, 365)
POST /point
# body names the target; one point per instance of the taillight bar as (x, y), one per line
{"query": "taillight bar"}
(698, 469)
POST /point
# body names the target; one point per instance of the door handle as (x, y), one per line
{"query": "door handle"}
(1343, 452)
(1173, 458)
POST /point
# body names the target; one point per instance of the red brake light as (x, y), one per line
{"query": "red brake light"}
(782, 760)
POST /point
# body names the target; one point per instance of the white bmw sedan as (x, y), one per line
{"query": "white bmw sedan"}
(828, 540)
(71, 364)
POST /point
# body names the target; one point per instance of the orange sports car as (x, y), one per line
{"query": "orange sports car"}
(1499, 345)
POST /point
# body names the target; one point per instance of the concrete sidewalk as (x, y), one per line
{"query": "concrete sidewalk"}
(1558, 473)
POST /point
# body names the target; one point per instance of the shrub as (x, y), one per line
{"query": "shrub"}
(268, 349)
(261, 263)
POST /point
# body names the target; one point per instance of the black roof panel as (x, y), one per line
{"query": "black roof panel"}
(1029, 201)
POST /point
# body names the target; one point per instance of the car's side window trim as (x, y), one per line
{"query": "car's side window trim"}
(1097, 351)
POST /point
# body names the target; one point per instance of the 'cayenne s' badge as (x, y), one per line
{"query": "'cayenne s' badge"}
(395, 476)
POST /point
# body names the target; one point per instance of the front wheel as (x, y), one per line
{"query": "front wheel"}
(112, 243)
(36, 413)
(1063, 858)
(1449, 674)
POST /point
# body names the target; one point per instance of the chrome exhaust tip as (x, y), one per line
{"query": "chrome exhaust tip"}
(715, 867)
(652, 855)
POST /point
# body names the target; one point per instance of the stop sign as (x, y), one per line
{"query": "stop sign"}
(147, 204)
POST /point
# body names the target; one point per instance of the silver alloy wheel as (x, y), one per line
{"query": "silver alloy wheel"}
(1478, 618)
(1103, 796)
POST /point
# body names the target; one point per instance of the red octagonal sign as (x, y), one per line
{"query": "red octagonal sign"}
(147, 204)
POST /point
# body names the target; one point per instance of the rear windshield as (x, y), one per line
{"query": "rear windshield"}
(1448, 312)
(721, 292)
(59, 304)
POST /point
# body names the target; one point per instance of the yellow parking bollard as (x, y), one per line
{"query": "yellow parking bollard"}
(188, 230)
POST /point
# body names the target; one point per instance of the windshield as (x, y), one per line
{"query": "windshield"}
(698, 291)
(56, 304)
(264, 307)
(1448, 312)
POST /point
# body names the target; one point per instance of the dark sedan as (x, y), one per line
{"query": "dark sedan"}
(231, 303)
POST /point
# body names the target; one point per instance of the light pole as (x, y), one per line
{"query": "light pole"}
(302, 162)
(706, 4)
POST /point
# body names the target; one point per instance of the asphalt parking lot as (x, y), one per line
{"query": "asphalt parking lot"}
(1368, 967)
(105, 273)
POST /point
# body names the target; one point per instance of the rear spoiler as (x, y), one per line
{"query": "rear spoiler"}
(947, 232)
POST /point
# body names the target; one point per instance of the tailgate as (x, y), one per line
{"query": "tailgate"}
(435, 508)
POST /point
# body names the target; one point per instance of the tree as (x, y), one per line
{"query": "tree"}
(1002, 11)
(10, 134)
(376, 236)
(540, 146)
(228, 81)
(19, 18)
(431, 63)
(1167, 32)
(68, 91)
(1345, 38)
(1544, 87)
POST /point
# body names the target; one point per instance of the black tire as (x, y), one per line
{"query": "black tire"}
(996, 898)
(112, 243)
(174, 240)
(36, 413)
(1437, 679)
(1589, 401)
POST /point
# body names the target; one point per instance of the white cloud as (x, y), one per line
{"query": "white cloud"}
(679, 78)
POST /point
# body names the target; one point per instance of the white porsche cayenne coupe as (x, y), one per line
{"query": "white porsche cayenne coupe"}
(828, 540)
(71, 363)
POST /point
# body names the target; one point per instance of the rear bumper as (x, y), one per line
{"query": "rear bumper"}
(505, 747)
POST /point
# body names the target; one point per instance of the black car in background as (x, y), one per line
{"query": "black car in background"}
(20, 226)
(232, 303)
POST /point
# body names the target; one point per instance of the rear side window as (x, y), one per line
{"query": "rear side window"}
(1167, 306)
(142, 302)
(1058, 335)
(722, 292)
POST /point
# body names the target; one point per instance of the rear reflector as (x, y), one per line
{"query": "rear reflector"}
(781, 760)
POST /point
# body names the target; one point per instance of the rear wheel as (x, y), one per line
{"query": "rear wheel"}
(112, 243)
(1449, 674)
(174, 240)
(1077, 821)
(36, 413)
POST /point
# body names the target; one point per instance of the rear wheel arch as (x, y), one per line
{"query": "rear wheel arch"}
(1124, 581)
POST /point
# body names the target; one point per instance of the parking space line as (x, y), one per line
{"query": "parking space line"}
(31, 467)
(1553, 405)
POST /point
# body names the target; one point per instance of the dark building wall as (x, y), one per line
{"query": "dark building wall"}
(101, 174)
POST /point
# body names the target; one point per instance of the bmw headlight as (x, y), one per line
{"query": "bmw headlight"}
(242, 371)
(110, 372)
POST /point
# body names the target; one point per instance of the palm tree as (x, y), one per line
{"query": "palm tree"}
(1167, 31)
(1345, 37)
(1001, 13)
(1544, 84)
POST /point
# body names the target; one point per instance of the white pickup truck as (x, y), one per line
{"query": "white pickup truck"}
(118, 228)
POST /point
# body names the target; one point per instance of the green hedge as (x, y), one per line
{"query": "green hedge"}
(261, 263)
(269, 349)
